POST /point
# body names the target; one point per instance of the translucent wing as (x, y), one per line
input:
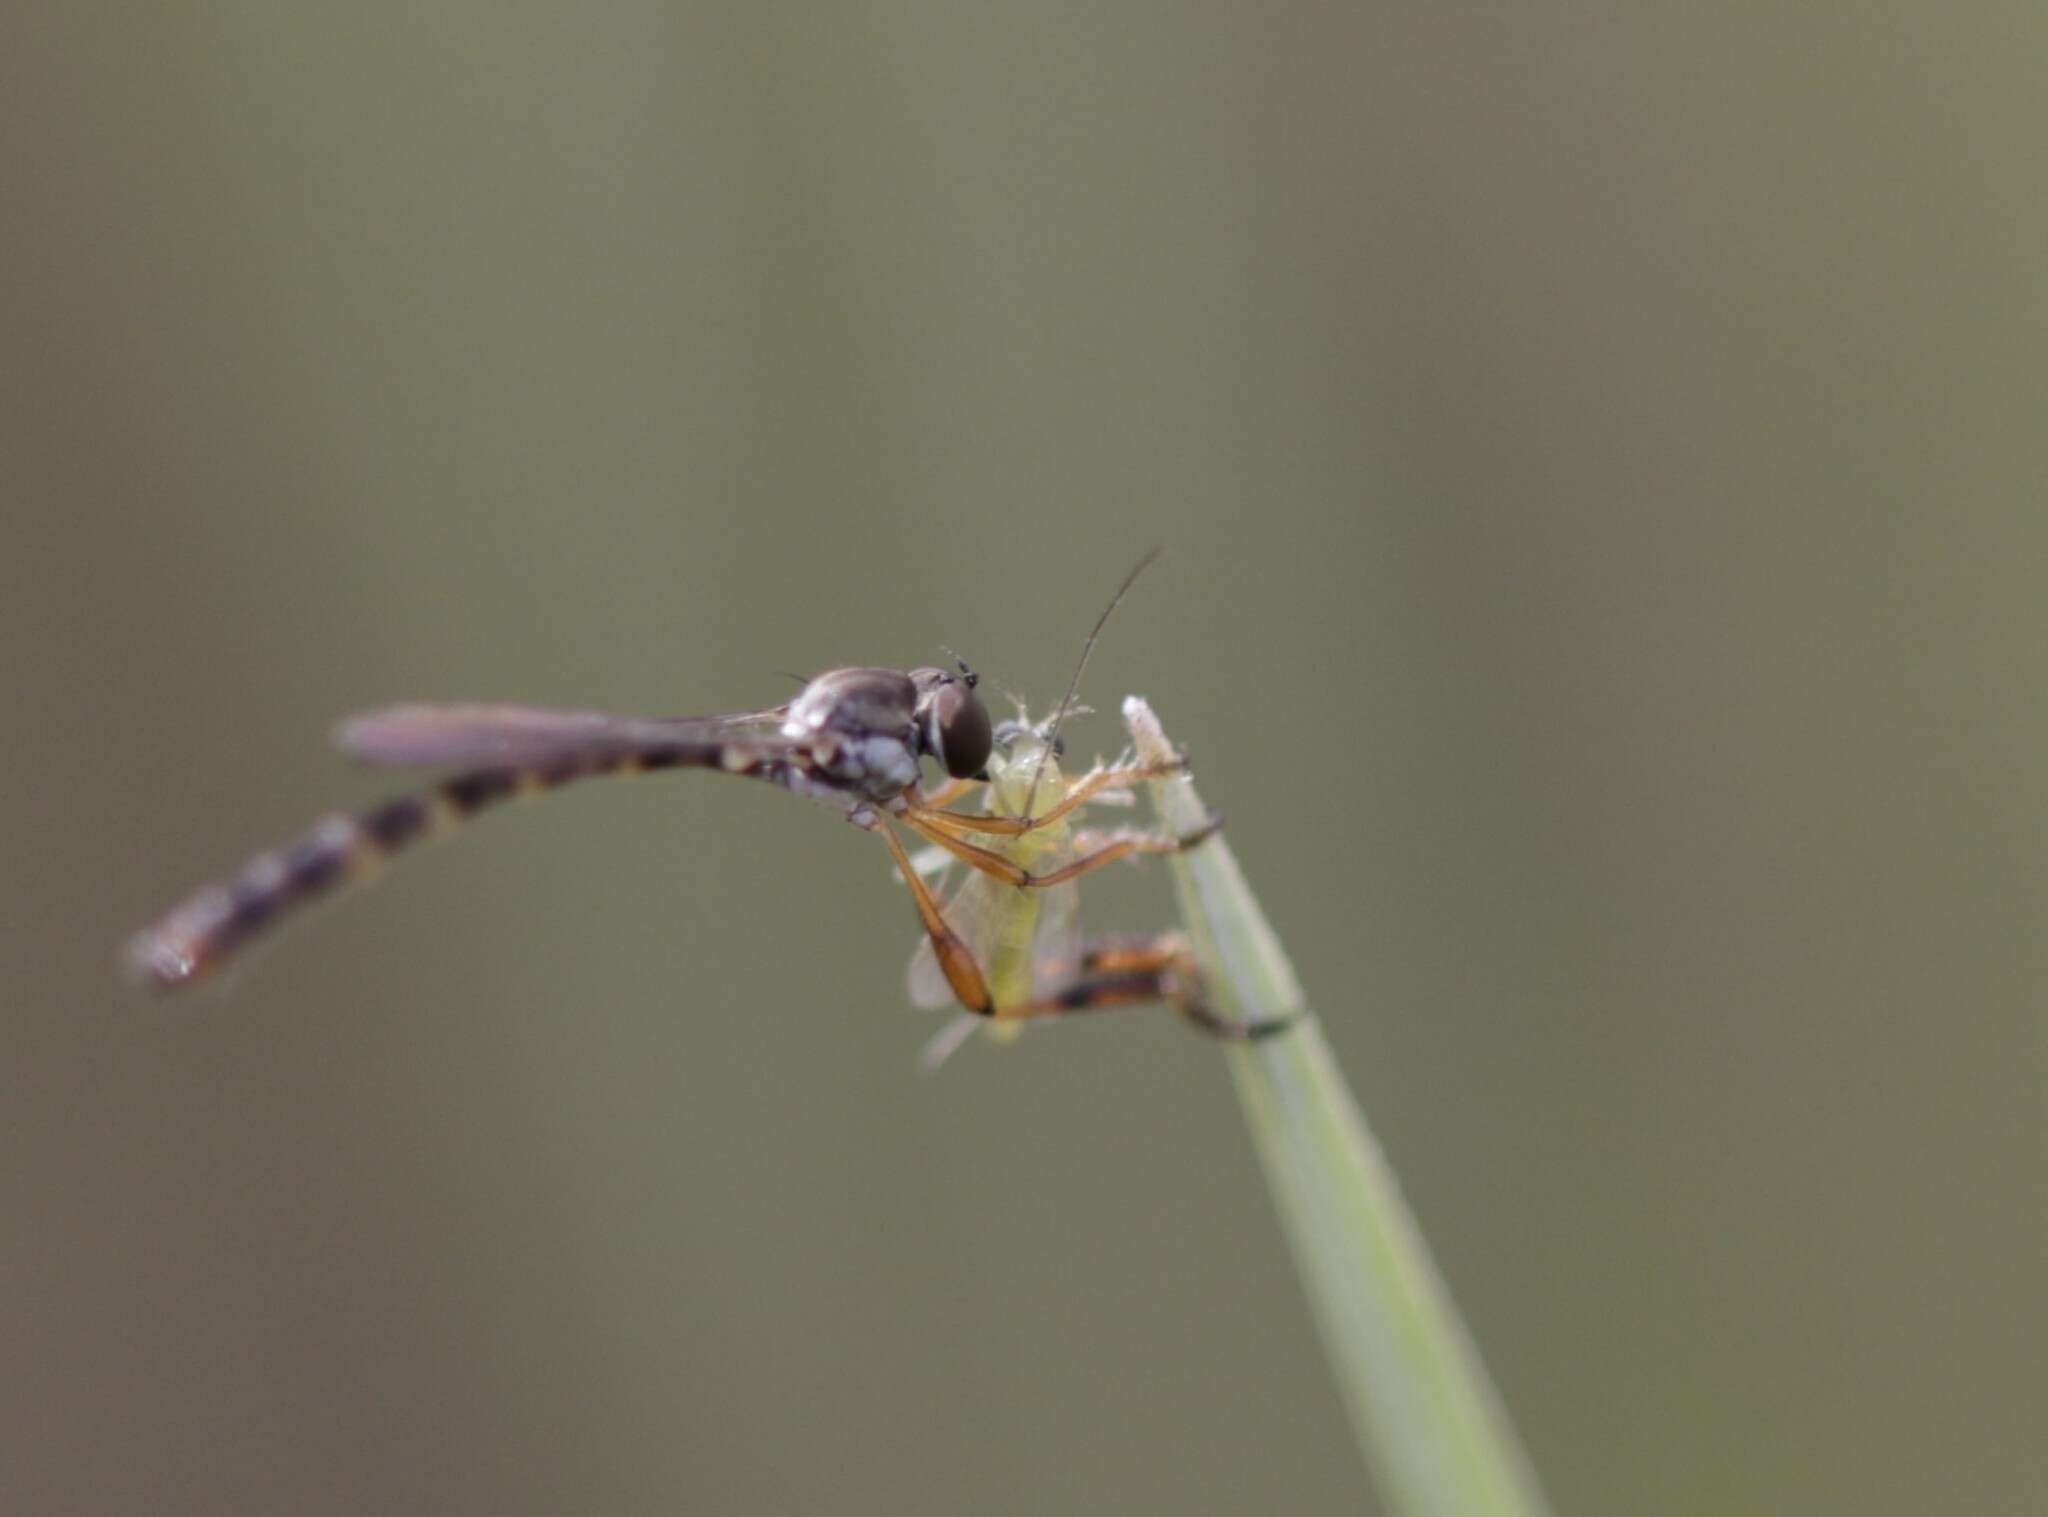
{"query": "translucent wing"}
(975, 914)
(980, 918)
(1056, 946)
(979, 912)
(944, 1043)
(462, 736)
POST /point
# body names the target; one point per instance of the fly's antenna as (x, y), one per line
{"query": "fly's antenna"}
(1052, 731)
(972, 679)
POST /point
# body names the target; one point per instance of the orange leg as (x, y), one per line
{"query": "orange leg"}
(988, 863)
(1135, 971)
(1010, 826)
(962, 973)
(1099, 848)
(1109, 847)
(945, 795)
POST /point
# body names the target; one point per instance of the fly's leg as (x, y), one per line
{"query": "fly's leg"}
(946, 794)
(987, 862)
(970, 988)
(1099, 848)
(1078, 794)
(1131, 970)
(1109, 847)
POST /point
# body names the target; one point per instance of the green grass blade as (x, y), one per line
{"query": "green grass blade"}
(1431, 1426)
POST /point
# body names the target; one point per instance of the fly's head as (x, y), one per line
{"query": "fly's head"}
(952, 723)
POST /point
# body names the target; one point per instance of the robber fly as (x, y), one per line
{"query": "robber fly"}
(853, 739)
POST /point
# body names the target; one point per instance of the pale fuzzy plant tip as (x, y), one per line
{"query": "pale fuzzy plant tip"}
(1146, 732)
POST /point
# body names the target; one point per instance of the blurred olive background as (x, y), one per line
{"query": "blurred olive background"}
(1600, 451)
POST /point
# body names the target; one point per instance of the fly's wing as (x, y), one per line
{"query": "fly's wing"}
(477, 736)
(975, 915)
(944, 1043)
(1056, 943)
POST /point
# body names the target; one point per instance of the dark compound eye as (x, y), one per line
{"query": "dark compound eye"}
(957, 731)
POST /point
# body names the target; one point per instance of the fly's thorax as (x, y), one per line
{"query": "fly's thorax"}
(862, 725)
(855, 703)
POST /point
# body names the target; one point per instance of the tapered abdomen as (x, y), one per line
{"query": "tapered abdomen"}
(203, 931)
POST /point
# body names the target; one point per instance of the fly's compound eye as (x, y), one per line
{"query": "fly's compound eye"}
(957, 731)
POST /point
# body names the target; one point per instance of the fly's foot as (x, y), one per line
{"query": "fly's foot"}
(1232, 1029)
(1260, 1029)
(1182, 989)
(1202, 834)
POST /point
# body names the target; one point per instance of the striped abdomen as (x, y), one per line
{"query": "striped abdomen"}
(200, 933)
